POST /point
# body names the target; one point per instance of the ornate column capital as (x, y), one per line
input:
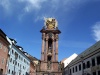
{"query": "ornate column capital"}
(47, 37)
(43, 36)
(56, 53)
(56, 37)
(53, 37)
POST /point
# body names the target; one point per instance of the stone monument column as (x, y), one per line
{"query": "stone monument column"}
(56, 47)
(53, 53)
(43, 44)
(46, 48)
(49, 54)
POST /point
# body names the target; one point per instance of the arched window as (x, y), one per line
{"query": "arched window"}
(84, 66)
(13, 61)
(50, 44)
(10, 59)
(18, 64)
(12, 72)
(9, 71)
(24, 61)
(19, 56)
(12, 51)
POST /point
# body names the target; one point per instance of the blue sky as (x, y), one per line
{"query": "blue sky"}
(78, 20)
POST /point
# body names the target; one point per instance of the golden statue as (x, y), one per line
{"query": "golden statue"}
(50, 23)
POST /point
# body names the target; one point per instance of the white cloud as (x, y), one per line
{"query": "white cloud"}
(41, 17)
(96, 31)
(32, 4)
(5, 4)
(28, 4)
(39, 8)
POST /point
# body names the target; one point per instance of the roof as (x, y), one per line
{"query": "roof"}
(69, 59)
(32, 58)
(62, 61)
(19, 47)
(2, 34)
(13, 40)
(48, 31)
(86, 53)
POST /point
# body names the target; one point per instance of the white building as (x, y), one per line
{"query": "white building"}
(87, 63)
(18, 63)
(68, 60)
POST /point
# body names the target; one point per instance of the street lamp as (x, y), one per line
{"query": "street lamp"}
(16, 56)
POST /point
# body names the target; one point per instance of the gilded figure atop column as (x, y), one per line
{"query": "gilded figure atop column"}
(50, 23)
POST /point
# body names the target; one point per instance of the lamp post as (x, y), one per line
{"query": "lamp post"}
(16, 56)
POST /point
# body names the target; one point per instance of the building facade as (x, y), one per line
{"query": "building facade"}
(87, 63)
(68, 60)
(4, 47)
(18, 63)
(33, 64)
(49, 64)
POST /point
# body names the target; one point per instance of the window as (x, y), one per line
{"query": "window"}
(12, 72)
(88, 64)
(84, 66)
(70, 71)
(79, 67)
(16, 63)
(12, 51)
(0, 46)
(73, 69)
(76, 68)
(27, 63)
(10, 59)
(93, 62)
(20, 65)
(19, 56)
(98, 72)
(5, 48)
(3, 60)
(19, 73)
(94, 73)
(23, 67)
(13, 61)
(21, 59)
(1, 71)
(98, 60)
(9, 71)
(24, 61)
